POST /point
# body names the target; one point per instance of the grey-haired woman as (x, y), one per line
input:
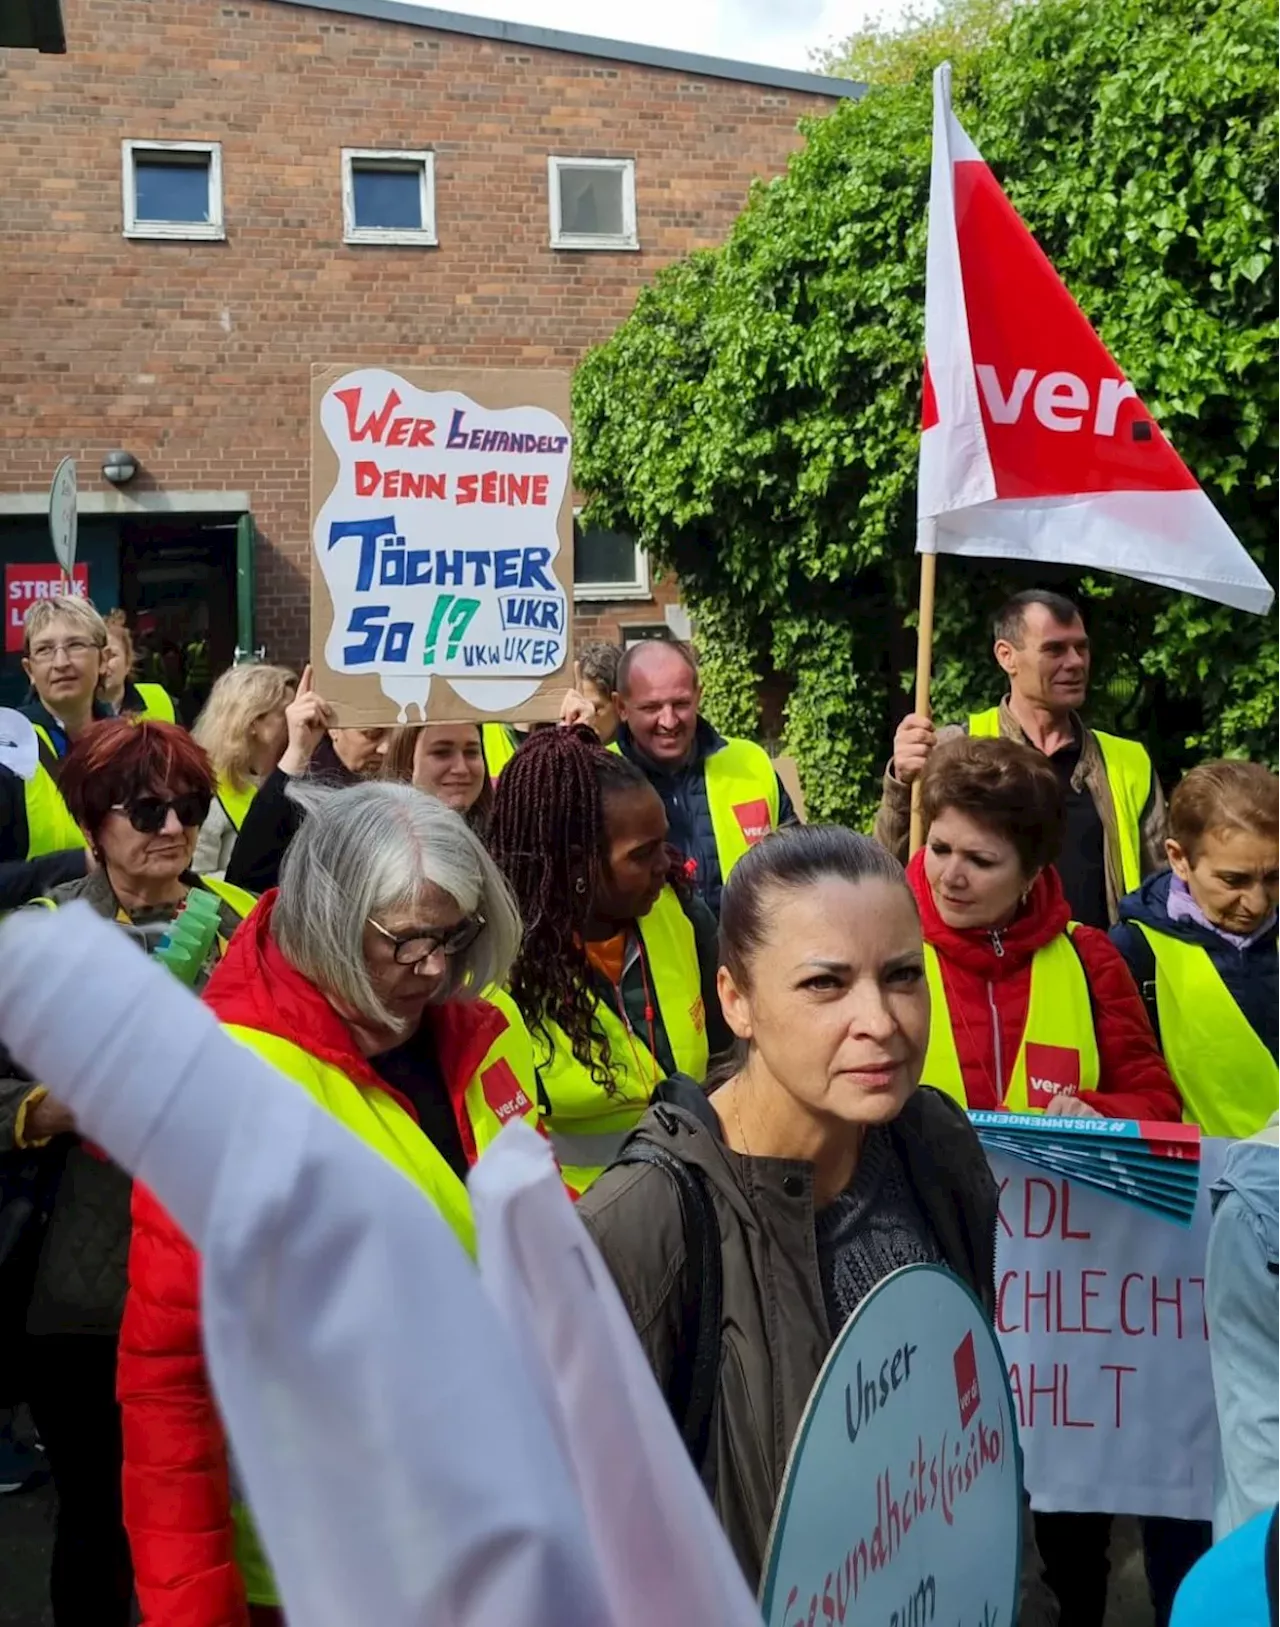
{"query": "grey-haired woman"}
(360, 979)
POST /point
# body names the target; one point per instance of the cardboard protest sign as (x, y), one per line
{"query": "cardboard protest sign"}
(1100, 1314)
(442, 544)
(902, 1501)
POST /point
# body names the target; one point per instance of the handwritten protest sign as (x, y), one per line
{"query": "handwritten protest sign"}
(442, 543)
(1100, 1314)
(902, 1499)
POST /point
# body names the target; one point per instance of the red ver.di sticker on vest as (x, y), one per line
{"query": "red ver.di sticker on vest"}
(753, 817)
(503, 1091)
(1052, 1070)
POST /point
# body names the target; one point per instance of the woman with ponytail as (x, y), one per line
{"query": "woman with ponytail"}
(616, 973)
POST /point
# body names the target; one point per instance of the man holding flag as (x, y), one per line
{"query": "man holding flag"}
(1115, 808)
(1034, 446)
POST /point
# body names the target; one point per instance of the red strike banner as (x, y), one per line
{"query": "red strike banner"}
(25, 585)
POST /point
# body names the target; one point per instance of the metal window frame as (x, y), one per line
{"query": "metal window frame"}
(625, 169)
(212, 230)
(641, 588)
(424, 159)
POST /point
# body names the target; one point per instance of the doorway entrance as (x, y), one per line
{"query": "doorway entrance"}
(178, 590)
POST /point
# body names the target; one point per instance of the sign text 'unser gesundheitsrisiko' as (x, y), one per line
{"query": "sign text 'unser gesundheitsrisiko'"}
(901, 1503)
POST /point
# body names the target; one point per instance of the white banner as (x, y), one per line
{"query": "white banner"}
(1100, 1312)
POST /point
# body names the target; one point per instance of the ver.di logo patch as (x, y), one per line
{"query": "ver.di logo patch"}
(503, 1092)
(753, 820)
(1052, 1070)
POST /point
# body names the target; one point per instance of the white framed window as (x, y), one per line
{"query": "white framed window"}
(593, 203)
(388, 197)
(643, 632)
(173, 189)
(608, 565)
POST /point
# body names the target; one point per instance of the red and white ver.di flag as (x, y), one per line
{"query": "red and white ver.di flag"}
(1033, 443)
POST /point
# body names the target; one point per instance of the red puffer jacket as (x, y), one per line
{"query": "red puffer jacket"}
(1133, 1081)
(177, 1492)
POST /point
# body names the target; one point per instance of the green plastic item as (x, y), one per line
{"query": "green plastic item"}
(185, 947)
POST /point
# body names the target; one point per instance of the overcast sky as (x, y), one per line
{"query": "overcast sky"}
(779, 32)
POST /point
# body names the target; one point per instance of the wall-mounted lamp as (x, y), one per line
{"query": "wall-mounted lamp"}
(119, 468)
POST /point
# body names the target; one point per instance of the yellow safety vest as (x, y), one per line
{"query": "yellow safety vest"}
(157, 703)
(235, 803)
(50, 827)
(377, 1118)
(1228, 1078)
(499, 745)
(1058, 1046)
(1128, 769)
(587, 1124)
(742, 794)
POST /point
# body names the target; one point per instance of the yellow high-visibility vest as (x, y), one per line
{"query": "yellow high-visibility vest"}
(1128, 769)
(1228, 1078)
(499, 745)
(378, 1119)
(157, 703)
(1058, 1047)
(588, 1124)
(742, 794)
(235, 802)
(50, 827)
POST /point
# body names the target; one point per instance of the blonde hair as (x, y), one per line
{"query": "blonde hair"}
(63, 607)
(237, 700)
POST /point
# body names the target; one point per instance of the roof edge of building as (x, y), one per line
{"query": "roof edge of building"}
(589, 45)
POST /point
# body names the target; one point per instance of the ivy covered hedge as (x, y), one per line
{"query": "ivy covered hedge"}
(754, 423)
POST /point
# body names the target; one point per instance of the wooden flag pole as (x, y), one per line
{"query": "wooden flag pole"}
(924, 672)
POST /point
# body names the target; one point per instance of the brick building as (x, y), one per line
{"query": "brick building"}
(204, 196)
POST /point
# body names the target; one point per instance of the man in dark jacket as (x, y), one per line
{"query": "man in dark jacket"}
(721, 795)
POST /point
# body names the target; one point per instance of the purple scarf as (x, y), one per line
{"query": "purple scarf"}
(1182, 907)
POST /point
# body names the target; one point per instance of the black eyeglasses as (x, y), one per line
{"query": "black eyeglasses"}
(147, 815)
(412, 948)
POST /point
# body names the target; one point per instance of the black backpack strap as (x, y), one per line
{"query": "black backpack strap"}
(1142, 963)
(1272, 1556)
(691, 1393)
(49, 759)
(679, 1090)
(1143, 974)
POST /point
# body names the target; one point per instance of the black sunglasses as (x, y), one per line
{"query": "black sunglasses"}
(421, 943)
(147, 815)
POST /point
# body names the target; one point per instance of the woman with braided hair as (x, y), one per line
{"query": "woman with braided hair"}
(616, 973)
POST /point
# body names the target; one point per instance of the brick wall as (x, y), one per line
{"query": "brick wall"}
(195, 356)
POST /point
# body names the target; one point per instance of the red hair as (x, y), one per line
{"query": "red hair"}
(121, 758)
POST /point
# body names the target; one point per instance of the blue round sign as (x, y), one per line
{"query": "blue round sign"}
(902, 1502)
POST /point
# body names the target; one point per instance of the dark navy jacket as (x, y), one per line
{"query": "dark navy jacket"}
(1250, 974)
(684, 796)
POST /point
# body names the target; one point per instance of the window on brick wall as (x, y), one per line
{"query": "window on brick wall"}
(593, 203)
(173, 189)
(608, 565)
(388, 197)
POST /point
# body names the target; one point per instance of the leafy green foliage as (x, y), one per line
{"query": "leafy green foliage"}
(754, 422)
(918, 40)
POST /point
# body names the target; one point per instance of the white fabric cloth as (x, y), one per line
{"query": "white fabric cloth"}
(394, 1447)
(662, 1553)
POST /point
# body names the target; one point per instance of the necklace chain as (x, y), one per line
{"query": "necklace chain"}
(737, 1119)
